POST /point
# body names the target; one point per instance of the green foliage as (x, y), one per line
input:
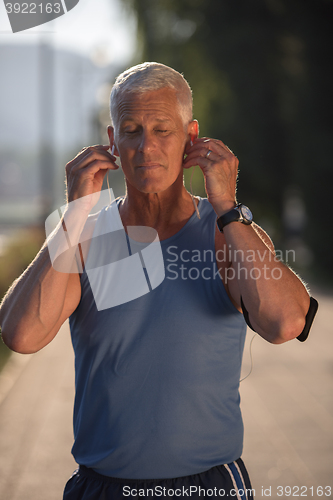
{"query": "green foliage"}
(261, 80)
(20, 251)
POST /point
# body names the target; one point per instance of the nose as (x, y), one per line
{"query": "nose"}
(147, 142)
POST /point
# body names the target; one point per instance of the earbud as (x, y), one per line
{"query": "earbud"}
(192, 139)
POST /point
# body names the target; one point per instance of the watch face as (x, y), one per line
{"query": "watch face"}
(246, 213)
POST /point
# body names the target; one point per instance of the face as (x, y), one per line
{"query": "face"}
(151, 139)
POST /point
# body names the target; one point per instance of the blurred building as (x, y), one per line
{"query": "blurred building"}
(49, 108)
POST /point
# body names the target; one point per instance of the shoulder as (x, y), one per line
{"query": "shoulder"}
(205, 209)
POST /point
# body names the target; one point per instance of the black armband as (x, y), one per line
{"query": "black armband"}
(308, 319)
(246, 315)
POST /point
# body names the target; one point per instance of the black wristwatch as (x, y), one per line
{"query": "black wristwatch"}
(240, 213)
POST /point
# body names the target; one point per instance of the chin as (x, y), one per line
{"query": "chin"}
(152, 189)
(152, 186)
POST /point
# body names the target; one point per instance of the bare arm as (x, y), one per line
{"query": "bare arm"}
(275, 298)
(37, 304)
(42, 298)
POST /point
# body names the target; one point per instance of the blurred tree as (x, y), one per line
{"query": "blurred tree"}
(261, 80)
(20, 250)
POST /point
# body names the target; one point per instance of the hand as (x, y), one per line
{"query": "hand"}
(220, 169)
(86, 172)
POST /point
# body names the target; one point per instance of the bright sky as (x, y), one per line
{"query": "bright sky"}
(100, 28)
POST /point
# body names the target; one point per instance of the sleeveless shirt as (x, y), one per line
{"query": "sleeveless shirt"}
(157, 378)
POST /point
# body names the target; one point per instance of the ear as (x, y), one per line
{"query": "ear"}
(193, 130)
(110, 130)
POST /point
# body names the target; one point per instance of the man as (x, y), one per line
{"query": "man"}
(157, 403)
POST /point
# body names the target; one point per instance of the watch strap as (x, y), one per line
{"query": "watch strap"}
(225, 219)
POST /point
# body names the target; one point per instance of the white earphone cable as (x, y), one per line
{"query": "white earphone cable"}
(251, 368)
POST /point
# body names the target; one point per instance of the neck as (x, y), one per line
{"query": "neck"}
(167, 211)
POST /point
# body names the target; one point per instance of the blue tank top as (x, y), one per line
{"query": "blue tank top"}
(157, 378)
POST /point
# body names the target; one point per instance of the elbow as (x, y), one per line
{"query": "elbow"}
(296, 319)
(287, 323)
(289, 329)
(294, 322)
(17, 341)
(9, 340)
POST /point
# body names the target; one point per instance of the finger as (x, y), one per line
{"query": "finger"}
(93, 168)
(220, 143)
(98, 154)
(97, 146)
(93, 151)
(207, 158)
(200, 161)
(202, 147)
(90, 156)
(93, 173)
(203, 153)
(209, 141)
(88, 150)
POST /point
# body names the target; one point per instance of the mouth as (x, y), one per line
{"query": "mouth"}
(149, 166)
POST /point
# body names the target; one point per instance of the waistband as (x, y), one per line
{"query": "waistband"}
(88, 472)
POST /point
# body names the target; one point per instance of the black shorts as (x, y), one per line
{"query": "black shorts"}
(223, 481)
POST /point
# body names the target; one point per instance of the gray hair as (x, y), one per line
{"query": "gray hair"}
(147, 77)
